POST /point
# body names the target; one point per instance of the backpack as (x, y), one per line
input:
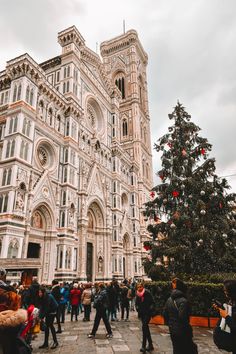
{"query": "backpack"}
(53, 304)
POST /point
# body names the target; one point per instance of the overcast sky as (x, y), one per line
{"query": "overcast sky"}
(191, 46)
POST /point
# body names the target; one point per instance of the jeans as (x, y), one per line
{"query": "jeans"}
(123, 308)
(87, 310)
(58, 315)
(62, 311)
(49, 325)
(74, 311)
(146, 331)
(101, 314)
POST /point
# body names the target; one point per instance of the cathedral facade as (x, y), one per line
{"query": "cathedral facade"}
(76, 164)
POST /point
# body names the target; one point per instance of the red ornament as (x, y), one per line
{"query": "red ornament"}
(170, 145)
(147, 248)
(220, 205)
(161, 177)
(175, 194)
(203, 151)
(184, 152)
(152, 194)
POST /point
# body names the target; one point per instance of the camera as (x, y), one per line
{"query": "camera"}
(218, 304)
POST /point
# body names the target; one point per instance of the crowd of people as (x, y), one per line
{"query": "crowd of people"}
(24, 311)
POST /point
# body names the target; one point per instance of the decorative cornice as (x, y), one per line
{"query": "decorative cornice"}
(51, 63)
(71, 35)
(123, 42)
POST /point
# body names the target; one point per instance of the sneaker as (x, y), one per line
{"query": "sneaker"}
(127, 320)
(109, 335)
(90, 335)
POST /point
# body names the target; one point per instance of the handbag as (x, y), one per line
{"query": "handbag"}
(223, 340)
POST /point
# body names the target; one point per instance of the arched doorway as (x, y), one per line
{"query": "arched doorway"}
(41, 247)
(95, 244)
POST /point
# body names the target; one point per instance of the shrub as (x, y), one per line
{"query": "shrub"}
(200, 296)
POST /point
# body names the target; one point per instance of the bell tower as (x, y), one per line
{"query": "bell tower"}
(125, 62)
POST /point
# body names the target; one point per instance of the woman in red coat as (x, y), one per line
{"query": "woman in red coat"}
(75, 297)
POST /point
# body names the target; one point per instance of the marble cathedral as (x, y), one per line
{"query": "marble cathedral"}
(76, 164)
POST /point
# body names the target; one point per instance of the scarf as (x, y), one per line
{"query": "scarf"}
(141, 294)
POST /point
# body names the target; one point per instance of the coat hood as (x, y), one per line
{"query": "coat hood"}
(175, 294)
(11, 318)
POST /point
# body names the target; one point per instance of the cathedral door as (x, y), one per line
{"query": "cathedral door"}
(89, 262)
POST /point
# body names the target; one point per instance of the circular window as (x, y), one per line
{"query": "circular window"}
(95, 116)
(43, 156)
(46, 155)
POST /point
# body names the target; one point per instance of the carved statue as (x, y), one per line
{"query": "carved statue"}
(20, 201)
(100, 264)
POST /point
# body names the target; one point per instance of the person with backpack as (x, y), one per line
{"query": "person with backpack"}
(176, 314)
(101, 305)
(48, 310)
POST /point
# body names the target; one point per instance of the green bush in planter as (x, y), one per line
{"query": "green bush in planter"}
(200, 296)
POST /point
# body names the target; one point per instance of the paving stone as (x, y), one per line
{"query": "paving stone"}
(71, 338)
(120, 348)
(101, 341)
(127, 339)
(104, 350)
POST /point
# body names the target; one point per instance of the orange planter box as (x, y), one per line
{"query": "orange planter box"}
(157, 320)
(199, 321)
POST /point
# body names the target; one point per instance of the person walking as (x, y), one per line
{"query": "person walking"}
(48, 310)
(101, 304)
(86, 299)
(56, 292)
(229, 314)
(75, 297)
(144, 304)
(176, 314)
(124, 301)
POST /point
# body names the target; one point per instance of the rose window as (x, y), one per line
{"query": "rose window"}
(91, 116)
(42, 155)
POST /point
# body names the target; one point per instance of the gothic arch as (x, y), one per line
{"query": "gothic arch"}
(95, 211)
(120, 82)
(42, 217)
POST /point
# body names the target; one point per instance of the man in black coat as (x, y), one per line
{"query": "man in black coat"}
(101, 305)
(176, 314)
(56, 292)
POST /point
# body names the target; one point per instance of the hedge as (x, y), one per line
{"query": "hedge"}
(200, 296)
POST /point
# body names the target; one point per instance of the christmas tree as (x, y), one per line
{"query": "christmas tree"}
(191, 217)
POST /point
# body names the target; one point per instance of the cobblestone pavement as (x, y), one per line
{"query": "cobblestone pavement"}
(126, 338)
